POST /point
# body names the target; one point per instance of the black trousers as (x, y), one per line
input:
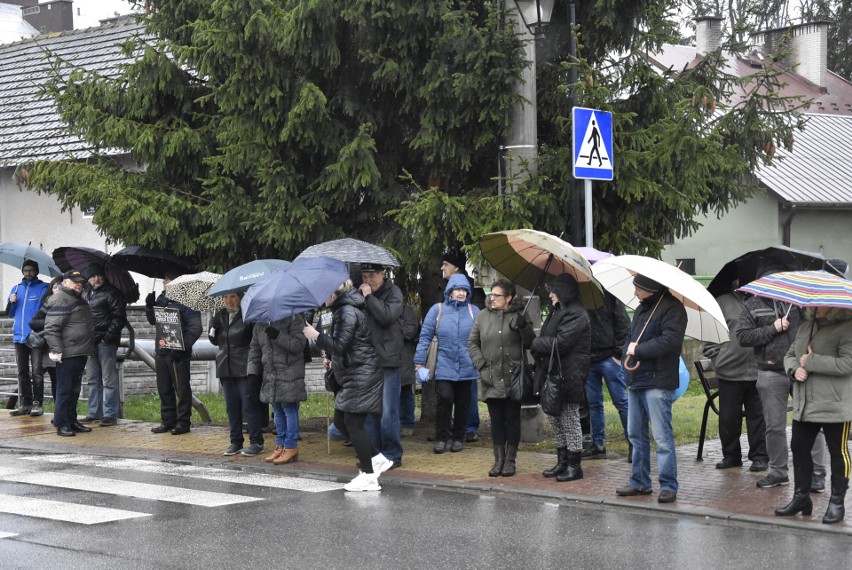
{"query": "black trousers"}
(30, 387)
(734, 395)
(175, 390)
(505, 421)
(352, 427)
(836, 440)
(451, 409)
(69, 383)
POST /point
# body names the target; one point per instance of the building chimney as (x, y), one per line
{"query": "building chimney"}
(708, 34)
(808, 44)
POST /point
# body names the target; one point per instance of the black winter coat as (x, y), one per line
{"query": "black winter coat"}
(410, 335)
(353, 358)
(757, 330)
(384, 311)
(109, 313)
(190, 324)
(280, 359)
(610, 324)
(658, 351)
(233, 339)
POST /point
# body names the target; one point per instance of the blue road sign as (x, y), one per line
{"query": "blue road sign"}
(592, 144)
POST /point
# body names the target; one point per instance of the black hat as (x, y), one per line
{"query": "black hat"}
(74, 276)
(93, 269)
(29, 263)
(171, 274)
(372, 268)
(647, 284)
(456, 258)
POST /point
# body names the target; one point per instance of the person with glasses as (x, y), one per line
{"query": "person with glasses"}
(498, 343)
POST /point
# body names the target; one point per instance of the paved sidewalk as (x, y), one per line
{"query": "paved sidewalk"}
(704, 491)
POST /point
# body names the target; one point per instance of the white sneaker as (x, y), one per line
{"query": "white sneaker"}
(381, 464)
(363, 482)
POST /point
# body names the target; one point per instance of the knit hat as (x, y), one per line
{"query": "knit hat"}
(647, 284)
(455, 257)
(31, 264)
(92, 270)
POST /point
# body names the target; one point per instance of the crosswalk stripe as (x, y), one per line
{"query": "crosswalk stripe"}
(126, 488)
(55, 510)
(206, 473)
(7, 534)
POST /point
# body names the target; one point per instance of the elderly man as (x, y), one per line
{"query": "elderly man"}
(69, 332)
(384, 311)
(109, 315)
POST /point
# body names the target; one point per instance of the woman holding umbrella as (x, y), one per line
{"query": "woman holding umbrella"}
(353, 359)
(567, 327)
(819, 362)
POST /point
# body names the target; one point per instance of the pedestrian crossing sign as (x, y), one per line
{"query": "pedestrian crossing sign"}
(592, 144)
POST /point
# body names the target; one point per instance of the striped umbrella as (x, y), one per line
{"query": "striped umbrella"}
(804, 288)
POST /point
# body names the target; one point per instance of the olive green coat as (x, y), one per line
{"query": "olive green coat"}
(495, 346)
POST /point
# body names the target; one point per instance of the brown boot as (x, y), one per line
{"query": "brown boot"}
(279, 449)
(289, 456)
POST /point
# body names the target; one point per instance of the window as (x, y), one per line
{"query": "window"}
(89, 212)
(687, 265)
(30, 10)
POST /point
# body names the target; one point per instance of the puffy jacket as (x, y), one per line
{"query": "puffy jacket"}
(68, 326)
(410, 335)
(453, 330)
(280, 359)
(731, 360)
(757, 330)
(37, 324)
(29, 294)
(353, 357)
(109, 313)
(384, 311)
(826, 395)
(233, 338)
(496, 346)
(610, 324)
(658, 351)
(568, 325)
(190, 325)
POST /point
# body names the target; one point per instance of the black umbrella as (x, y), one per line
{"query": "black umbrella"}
(744, 268)
(79, 258)
(152, 262)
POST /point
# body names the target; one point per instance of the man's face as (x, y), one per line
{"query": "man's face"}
(641, 294)
(97, 281)
(71, 284)
(448, 269)
(374, 279)
(29, 272)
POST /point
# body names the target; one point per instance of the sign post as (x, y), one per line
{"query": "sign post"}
(592, 153)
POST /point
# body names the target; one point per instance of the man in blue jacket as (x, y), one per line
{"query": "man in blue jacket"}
(24, 302)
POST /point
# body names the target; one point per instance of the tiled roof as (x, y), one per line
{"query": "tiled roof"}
(818, 172)
(30, 128)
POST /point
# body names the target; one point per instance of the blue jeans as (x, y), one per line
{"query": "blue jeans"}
(384, 434)
(240, 397)
(102, 379)
(406, 407)
(473, 412)
(286, 424)
(655, 406)
(600, 371)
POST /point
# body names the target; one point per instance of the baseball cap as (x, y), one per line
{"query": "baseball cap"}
(74, 276)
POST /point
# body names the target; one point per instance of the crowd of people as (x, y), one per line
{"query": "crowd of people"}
(375, 347)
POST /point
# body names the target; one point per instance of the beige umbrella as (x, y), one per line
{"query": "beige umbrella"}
(191, 290)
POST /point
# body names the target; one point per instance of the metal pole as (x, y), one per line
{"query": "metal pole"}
(574, 185)
(588, 187)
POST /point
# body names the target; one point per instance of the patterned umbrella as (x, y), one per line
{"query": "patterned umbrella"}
(191, 290)
(79, 258)
(352, 251)
(15, 254)
(804, 288)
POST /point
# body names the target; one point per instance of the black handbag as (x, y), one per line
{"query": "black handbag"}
(551, 402)
(36, 340)
(522, 383)
(331, 384)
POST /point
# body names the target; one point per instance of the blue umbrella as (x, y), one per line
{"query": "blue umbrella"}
(15, 254)
(304, 285)
(240, 278)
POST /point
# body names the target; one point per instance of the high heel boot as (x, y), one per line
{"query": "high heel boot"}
(836, 511)
(499, 458)
(561, 463)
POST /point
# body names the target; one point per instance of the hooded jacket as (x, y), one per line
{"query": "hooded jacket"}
(496, 346)
(453, 330)
(826, 395)
(353, 357)
(659, 349)
(384, 311)
(757, 330)
(280, 359)
(29, 293)
(68, 327)
(567, 325)
(109, 313)
(233, 337)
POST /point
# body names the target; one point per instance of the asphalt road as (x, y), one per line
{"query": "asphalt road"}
(76, 511)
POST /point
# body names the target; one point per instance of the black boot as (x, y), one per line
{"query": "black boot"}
(499, 457)
(574, 470)
(509, 465)
(561, 463)
(836, 511)
(801, 502)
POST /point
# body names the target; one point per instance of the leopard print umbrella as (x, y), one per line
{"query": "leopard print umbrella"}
(191, 290)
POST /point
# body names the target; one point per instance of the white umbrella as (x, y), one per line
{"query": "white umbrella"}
(705, 320)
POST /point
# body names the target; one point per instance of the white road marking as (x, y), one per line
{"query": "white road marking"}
(7, 534)
(55, 510)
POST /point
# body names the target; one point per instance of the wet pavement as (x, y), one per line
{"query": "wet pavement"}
(705, 491)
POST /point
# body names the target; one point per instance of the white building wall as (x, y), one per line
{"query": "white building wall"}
(823, 231)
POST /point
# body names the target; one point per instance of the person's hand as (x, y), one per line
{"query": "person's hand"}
(55, 356)
(13, 298)
(149, 300)
(310, 332)
(520, 322)
(365, 289)
(631, 349)
(781, 324)
(801, 374)
(803, 360)
(616, 360)
(326, 362)
(212, 332)
(272, 332)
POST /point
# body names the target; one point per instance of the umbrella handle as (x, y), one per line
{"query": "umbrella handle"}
(628, 366)
(626, 363)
